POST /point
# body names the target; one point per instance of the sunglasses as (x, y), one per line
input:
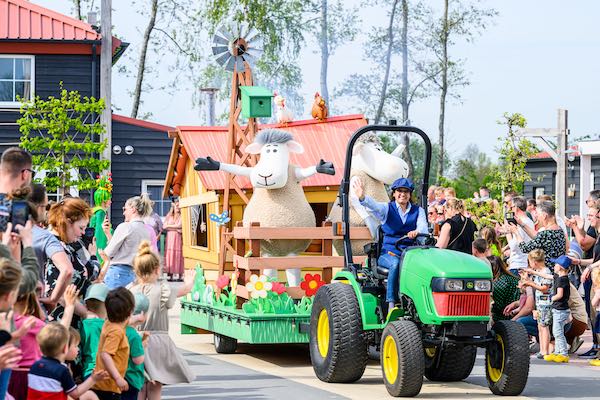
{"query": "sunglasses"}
(30, 170)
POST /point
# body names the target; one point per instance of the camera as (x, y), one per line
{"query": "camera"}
(510, 218)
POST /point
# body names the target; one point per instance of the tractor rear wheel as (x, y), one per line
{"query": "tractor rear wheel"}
(338, 350)
(507, 359)
(402, 359)
(455, 363)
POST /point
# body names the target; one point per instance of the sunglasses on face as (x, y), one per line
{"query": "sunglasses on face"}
(30, 170)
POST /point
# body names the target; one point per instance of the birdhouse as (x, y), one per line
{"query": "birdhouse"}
(256, 101)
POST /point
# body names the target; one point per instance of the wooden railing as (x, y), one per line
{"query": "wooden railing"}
(249, 238)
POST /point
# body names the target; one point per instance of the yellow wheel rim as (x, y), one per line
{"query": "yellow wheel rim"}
(323, 333)
(430, 351)
(390, 359)
(496, 373)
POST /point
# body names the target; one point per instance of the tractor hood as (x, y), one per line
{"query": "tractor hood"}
(421, 265)
(430, 263)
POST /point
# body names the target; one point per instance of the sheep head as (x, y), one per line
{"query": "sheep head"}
(274, 147)
(370, 158)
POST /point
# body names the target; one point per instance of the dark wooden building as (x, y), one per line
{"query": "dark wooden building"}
(40, 48)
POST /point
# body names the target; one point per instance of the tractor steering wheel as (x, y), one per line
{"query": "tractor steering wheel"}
(429, 240)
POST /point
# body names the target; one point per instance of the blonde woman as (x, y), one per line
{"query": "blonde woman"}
(123, 244)
(174, 242)
(457, 232)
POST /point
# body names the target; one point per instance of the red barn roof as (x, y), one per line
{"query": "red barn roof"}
(326, 140)
(21, 20)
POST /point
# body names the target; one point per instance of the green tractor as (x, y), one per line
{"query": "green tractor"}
(442, 318)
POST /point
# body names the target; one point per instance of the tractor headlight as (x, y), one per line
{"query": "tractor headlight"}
(453, 285)
(483, 286)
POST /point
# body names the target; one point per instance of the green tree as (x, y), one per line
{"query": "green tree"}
(470, 171)
(59, 132)
(460, 20)
(510, 174)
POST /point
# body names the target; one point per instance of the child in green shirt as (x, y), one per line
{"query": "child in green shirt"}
(135, 368)
(91, 326)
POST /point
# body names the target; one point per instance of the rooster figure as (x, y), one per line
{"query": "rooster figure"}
(319, 108)
(284, 115)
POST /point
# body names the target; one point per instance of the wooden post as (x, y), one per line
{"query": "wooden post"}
(561, 173)
(106, 79)
(327, 250)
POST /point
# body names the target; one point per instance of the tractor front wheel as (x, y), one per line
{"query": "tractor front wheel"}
(402, 359)
(338, 350)
(507, 359)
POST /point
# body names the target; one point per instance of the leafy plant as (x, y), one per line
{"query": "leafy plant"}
(59, 132)
(514, 152)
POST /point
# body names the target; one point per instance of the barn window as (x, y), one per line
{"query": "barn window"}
(16, 79)
(199, 225)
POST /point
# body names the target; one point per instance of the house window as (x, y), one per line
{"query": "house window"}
(16, 79)
(199, 225)
(55, 196)
(538, 191)
(155, 191)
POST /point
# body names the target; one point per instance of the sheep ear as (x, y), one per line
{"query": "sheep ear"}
(254, 148)
(357, 148)
(295, 147)
(398, 150)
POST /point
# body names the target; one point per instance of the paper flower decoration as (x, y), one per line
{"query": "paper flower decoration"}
(277, 287)
(222, 281)
(258, 286)
(234, 278)
(311, 284)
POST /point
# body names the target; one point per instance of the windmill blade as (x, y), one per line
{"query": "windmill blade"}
(224, 32)
(222, 60)
(219, 40)
(244, 28)
(230, 64)
(217, 50)
(256, 44)
(239, 61)
(249, 58)
(251, 35)
(256, 53)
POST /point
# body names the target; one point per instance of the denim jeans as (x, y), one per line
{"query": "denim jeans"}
(393, 283)
(119, 275)
(4, 379)
(559, 320)
(530, 325)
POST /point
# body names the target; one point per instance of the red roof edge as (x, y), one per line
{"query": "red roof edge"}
(142, 123)
(544, 154)
(266, 126)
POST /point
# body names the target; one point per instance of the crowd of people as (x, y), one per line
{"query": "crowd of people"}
(84, 318)
(545, 268)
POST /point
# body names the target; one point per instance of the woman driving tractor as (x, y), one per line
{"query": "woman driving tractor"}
(400, 219)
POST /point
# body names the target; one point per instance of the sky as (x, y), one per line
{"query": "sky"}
(537, 56)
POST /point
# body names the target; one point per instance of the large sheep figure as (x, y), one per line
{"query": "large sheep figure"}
(374, 167)
(277, 199)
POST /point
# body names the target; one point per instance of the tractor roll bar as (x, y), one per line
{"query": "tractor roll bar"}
(345, 184)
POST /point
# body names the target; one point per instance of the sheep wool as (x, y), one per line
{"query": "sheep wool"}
(374, 189)
(284, 207)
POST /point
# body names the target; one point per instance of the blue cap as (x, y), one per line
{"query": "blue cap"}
(142, 304)
(403, 183)
(563, 261)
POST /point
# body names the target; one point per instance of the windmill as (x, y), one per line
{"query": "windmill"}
(236, 47)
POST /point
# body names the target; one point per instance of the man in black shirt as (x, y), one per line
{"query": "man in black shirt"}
(587, 239)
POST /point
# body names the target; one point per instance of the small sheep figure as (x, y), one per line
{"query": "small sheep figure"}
(277, 199)
(374, 167)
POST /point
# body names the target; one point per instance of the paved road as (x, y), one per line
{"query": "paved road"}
(284, 372)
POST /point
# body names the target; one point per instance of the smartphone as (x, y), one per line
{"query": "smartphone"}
(19, 214)
(88, 236)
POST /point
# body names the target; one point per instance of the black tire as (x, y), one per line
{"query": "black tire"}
(224, 344)
(507, 359)
(455, 364)
(343, 357)
(409, 362)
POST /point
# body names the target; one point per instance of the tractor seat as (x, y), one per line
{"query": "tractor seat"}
(372, 251)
